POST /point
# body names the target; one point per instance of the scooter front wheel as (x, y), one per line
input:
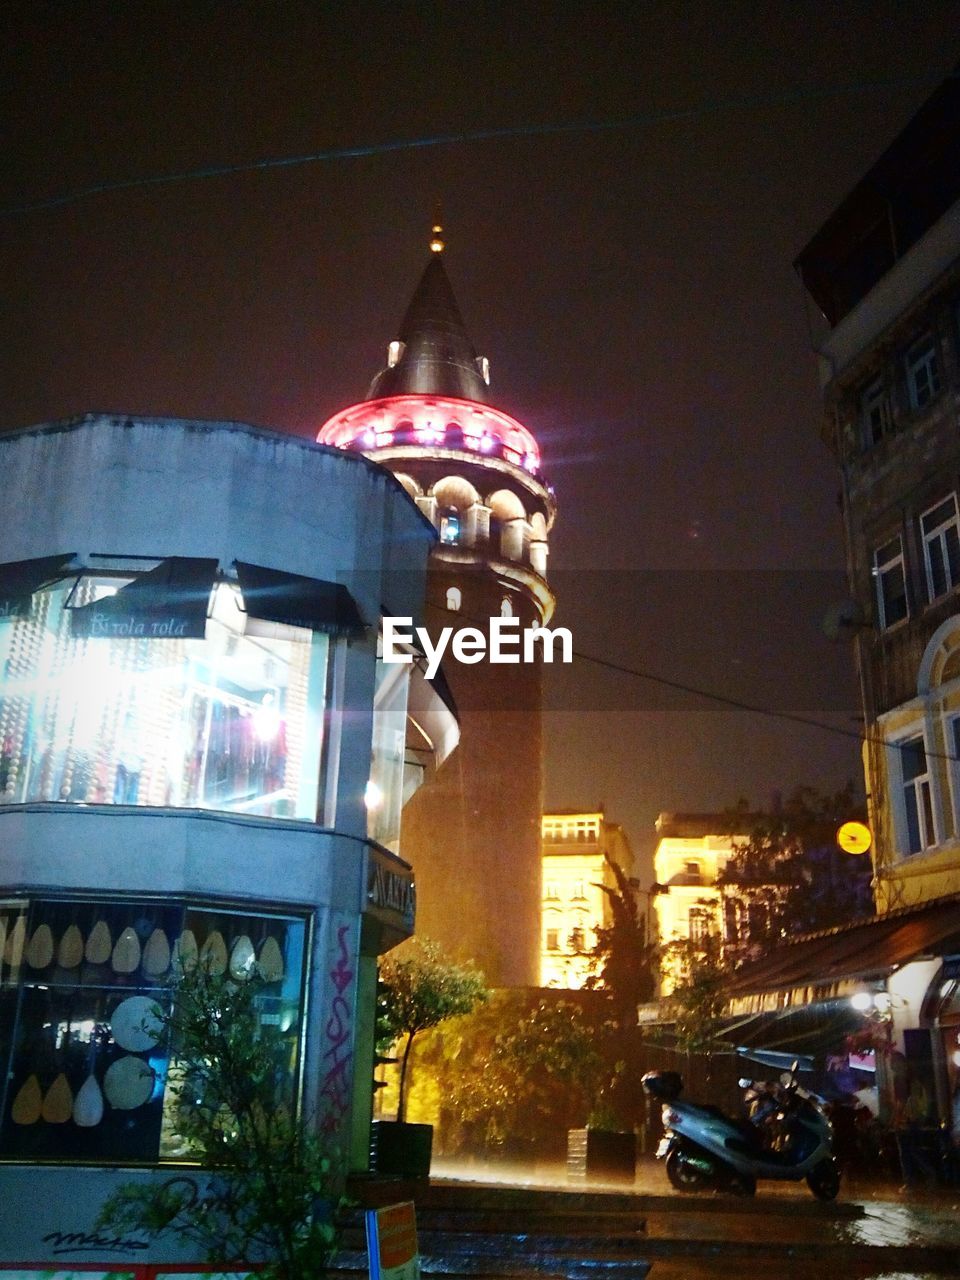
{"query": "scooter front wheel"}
(824, 1180)
(684, 1176)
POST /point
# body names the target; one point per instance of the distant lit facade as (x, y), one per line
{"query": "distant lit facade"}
(191, 710)
(472, 831)
(576, 847)
(688, 903)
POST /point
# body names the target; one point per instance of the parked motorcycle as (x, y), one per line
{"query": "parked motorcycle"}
(786, 1137)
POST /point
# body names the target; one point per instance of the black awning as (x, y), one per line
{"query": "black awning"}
(169, 602)
(19, 579)
(441, 688)
(297, 601)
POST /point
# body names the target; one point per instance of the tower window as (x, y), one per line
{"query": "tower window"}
(506, 608)
(454, 599)
(450, 527)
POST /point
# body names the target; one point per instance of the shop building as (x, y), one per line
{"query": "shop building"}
(472, 832)
(578, 848)
(191, 710)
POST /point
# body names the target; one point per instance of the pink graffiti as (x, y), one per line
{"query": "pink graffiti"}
(335, 1085)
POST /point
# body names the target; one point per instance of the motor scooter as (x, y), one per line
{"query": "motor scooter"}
(787, 1137)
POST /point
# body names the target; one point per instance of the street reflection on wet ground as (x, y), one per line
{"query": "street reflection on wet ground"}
(873, 1232)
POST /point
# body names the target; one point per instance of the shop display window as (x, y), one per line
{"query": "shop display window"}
(223, 720)
(385, 789)
(86, 1065)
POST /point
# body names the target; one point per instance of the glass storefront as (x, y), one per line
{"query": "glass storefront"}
(227, 720)
(385, 790)
(84, 1077)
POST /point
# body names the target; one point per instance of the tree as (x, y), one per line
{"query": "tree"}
(789, 876)
(626, 960)
(531, 1071)
(421, 989)
(270, 1199)
(695, 1004)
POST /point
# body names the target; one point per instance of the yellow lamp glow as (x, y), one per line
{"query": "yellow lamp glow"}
(854, 837)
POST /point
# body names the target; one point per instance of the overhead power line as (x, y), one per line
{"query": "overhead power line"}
(544, 129)
(721, 699)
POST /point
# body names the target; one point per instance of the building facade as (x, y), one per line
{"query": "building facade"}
(472, 832)
(191, 704)
(884, 272)
(689, 904)
(577, 850)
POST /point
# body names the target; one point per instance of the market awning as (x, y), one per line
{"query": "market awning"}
(807, 1030)
(296, 601)
(826, 965)
(19, 579)
(166, 603)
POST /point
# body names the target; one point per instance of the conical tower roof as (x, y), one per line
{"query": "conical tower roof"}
(437, 356)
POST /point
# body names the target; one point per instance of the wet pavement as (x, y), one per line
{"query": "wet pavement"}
(872, 1232)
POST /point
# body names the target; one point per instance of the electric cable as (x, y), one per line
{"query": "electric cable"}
(545, 129)
(735, 704)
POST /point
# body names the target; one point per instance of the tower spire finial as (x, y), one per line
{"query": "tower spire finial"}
(436, 231)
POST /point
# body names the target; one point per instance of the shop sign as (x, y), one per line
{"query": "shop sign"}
(392, 1242)
(391, 889)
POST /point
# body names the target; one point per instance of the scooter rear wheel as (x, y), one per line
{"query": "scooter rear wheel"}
(824, 1180)
(683, 1176)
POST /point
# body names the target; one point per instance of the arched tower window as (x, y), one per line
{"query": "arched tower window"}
(449, 526)
(506, 608)
(454, 599)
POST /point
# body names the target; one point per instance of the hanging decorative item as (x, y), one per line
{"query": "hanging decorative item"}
(135, 1024)
(185, 953)
(213, 954)
(156, 954)
(40, 948)
(128, 1083)
(70, 950)
(13, 948)
(271, 961)
(242, 959)
(99, 944)
(88, 1104)
(28, 1103)
(57, 1105)
(126, 954)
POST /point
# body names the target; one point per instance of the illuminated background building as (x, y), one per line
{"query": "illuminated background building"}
(189, 695)
(576, 849)
(473, 831)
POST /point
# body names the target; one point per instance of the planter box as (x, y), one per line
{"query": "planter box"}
(602, 1154)
(400, 1148)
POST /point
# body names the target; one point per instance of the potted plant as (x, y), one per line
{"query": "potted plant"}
(418, 989)
(606, 1149)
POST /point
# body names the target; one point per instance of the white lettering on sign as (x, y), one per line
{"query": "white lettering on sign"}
(506, 644)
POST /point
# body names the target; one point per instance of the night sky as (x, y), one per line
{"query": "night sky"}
(629, 278)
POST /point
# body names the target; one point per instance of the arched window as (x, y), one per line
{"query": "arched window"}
(449, 526)
(453, 599)
(506, 608)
